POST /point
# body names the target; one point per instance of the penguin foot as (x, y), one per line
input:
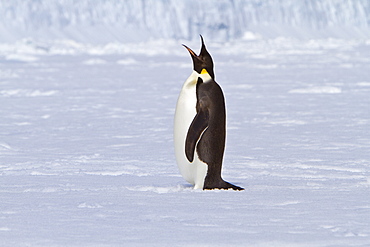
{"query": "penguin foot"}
(234, 187)
(223, 186)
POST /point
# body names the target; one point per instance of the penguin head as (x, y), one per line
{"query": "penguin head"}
(203, 60)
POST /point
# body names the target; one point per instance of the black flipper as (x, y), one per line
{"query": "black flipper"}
(199, 124)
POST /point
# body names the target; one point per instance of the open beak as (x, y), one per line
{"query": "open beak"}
(201, 38)
(192, 53)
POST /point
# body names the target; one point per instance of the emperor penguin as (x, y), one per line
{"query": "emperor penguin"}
(200, 126)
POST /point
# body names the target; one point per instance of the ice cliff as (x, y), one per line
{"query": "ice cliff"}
(117, 20)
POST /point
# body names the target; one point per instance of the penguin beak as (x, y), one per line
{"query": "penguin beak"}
(192, 53)
(203, 45)
(194, 56)
(203, 50)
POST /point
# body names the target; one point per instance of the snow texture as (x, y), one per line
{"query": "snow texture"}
(86, 150)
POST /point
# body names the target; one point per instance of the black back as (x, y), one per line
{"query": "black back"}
(211, 103)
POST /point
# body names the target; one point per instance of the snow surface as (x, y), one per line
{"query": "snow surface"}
(87, 153)
(86, 145)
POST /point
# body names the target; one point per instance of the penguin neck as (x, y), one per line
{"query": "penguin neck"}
(191, 81)
(205, 77)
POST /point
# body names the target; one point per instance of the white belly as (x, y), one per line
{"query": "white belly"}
(196, 171)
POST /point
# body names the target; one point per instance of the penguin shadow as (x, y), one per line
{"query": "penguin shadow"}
(189, 187)
(171, 189)
(161, 189)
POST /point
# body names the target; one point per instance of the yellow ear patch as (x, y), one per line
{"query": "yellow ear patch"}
(204, 71)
